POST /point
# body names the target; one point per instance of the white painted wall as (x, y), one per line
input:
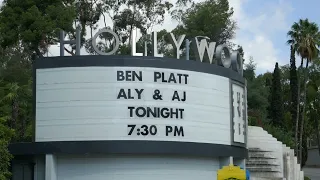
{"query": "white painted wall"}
(135, 168)
(80, 103)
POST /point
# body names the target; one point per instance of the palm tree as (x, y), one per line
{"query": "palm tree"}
(294, 34)
(305, 39)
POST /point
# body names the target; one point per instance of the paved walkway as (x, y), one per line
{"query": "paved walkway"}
(312, 173)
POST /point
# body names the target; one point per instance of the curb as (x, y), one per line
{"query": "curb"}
(311, 166)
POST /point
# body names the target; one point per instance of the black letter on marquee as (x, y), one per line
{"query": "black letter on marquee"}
(168, 130)
(135, 75)
(157, 75)
(139, 92)
(122, 93)
(157, 95)
(172, 78)
(120, 76)
(176, 96)
(143, 113)
(131, 109)
(178, 132)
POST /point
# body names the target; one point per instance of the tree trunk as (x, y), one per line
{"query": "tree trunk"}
(297, 121)
(298, 113)
(91, 24)
(131, 26)
(317, 131)
(39, 54)
(316, 122)
(22, 129)
(14, 114)
(303, 108)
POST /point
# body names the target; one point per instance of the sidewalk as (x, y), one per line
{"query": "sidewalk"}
(312, 172)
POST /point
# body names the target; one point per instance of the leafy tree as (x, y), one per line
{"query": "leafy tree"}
(164, 45)
(276, 103)
(257, 92)
(249, 70)
(280, 134)
(209, 18)
(35, 23)
(294, 89)
(305, 39)
(285, 86)
(145, 14)
(259, 88)
(16, 97)
(15, 102)
(286, 92)
(5, 156)
(142, 14)
(313, 99)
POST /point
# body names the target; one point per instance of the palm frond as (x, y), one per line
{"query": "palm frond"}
(305, 37)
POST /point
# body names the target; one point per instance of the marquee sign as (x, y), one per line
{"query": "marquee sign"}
(138, 103)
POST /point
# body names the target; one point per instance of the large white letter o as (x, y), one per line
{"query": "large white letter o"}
(94, 43)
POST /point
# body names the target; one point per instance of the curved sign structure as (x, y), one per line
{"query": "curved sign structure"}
(120, 98)
(124, 117)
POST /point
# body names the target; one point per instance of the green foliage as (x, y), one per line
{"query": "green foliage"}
(142, 15)
(15, 102)
(293, 86)
(304, 40)
(276, 103)
(258, 91)
(249, 70)
(253, 121)
(209, 18)
(5, 156)
(306, 178)
(287, 119)
(195, 21)
(34, 22)
(313, 100)
(281, 134)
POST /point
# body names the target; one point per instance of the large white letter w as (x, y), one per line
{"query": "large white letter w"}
(199, 49)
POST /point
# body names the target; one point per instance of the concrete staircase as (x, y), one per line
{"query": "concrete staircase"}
(269, 158)
(263, 163)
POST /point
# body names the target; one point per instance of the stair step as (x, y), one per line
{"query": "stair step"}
(261, 163)
(257, 150)
(261, 157)
(262, 169)
(261, 153)
(267, 175)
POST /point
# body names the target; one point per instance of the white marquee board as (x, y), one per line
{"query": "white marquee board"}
(113, 103)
